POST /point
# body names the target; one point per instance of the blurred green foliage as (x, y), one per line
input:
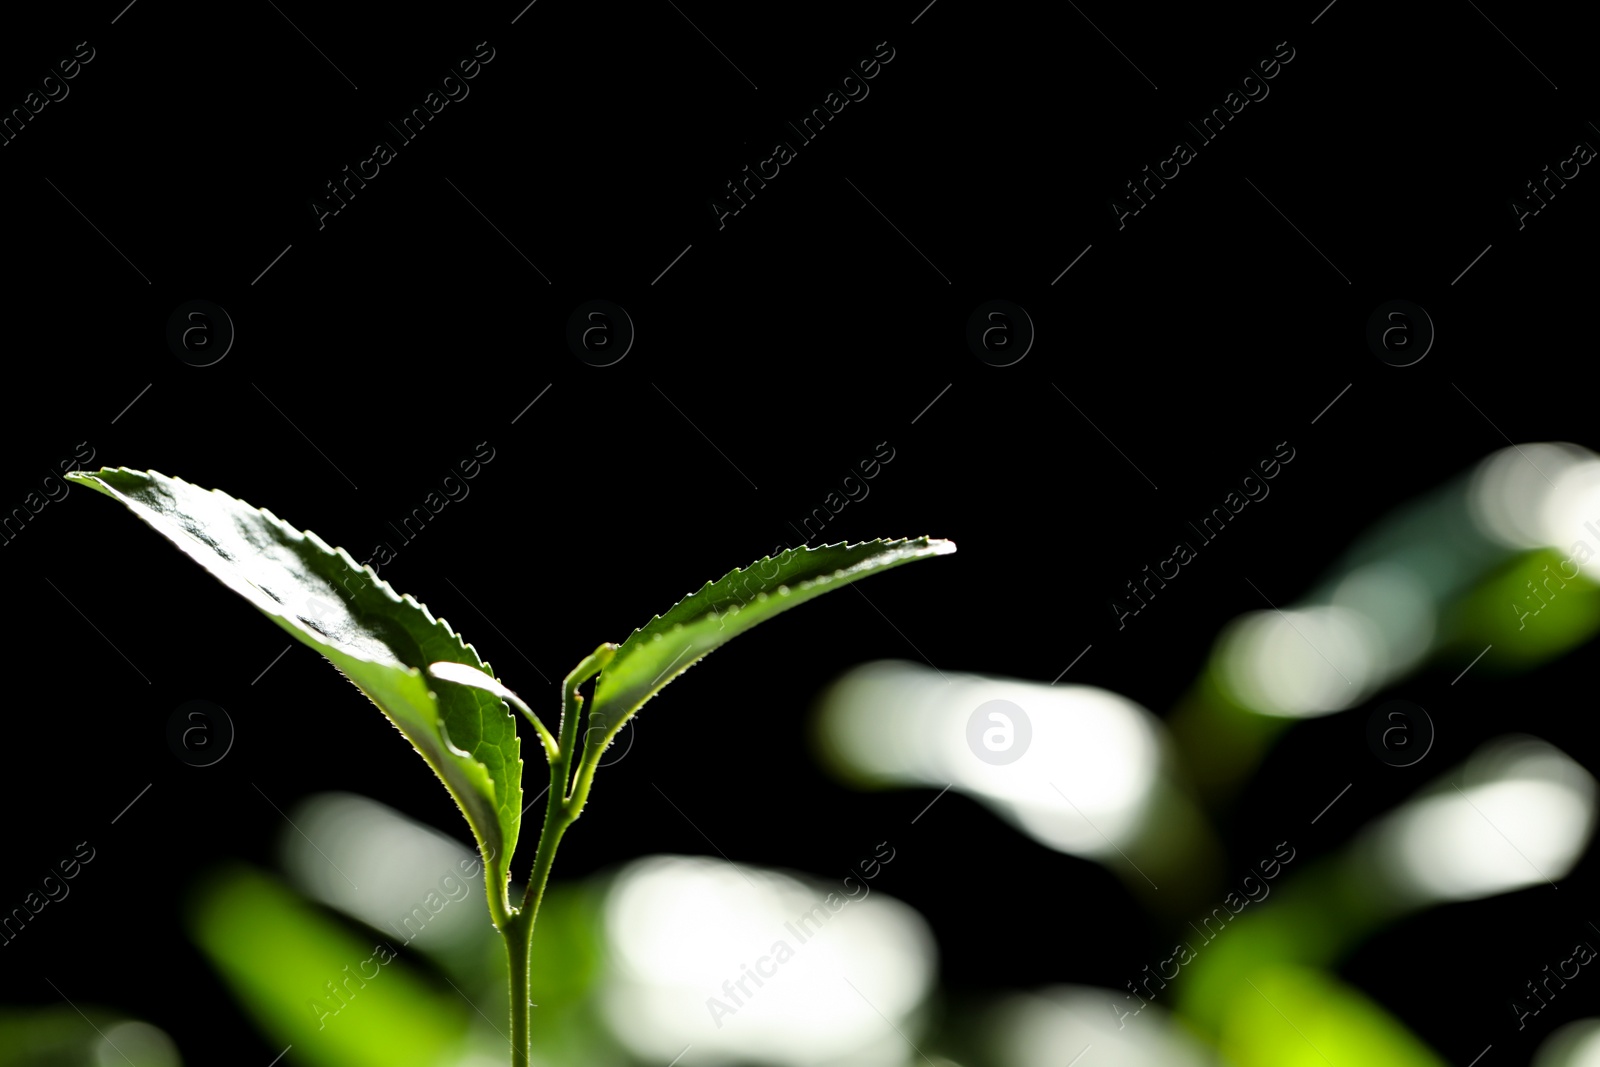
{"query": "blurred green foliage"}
(290, 966)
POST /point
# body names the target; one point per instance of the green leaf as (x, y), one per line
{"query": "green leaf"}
(306, 980)
(670, 644)
(380, 640)
(461, 674)
(1302, 1017)
(57, 1037)
(1528, 619)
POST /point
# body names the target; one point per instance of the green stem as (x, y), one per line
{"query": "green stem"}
(518, 935)
(561, 811)
(551, 749)
(519, 931)
(585, 777)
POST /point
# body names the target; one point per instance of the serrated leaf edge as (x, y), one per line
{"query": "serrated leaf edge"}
(894, 543)
(84, 478)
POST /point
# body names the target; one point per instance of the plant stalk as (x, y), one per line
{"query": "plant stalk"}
(518, 935)
(519, 931)
(561, 811)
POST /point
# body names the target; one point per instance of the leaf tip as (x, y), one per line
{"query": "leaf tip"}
(91, 479)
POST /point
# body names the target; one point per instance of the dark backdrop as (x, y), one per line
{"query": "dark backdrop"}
(375, 350)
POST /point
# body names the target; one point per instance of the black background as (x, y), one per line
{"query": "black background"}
(777, 351)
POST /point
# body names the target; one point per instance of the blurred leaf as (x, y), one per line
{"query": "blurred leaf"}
(1298, 1017)
(46, 1037)
(1261, 989)
(568, 943)
(1312, 918)
(53, 1037)
(1530, 611)
(566, 964)
(307, 981)
(380, 640)
(670, 644)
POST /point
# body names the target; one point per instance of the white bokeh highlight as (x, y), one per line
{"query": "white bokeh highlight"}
(1083, 786)
(682, 931)
(1049, 1028)
(1519, 814)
